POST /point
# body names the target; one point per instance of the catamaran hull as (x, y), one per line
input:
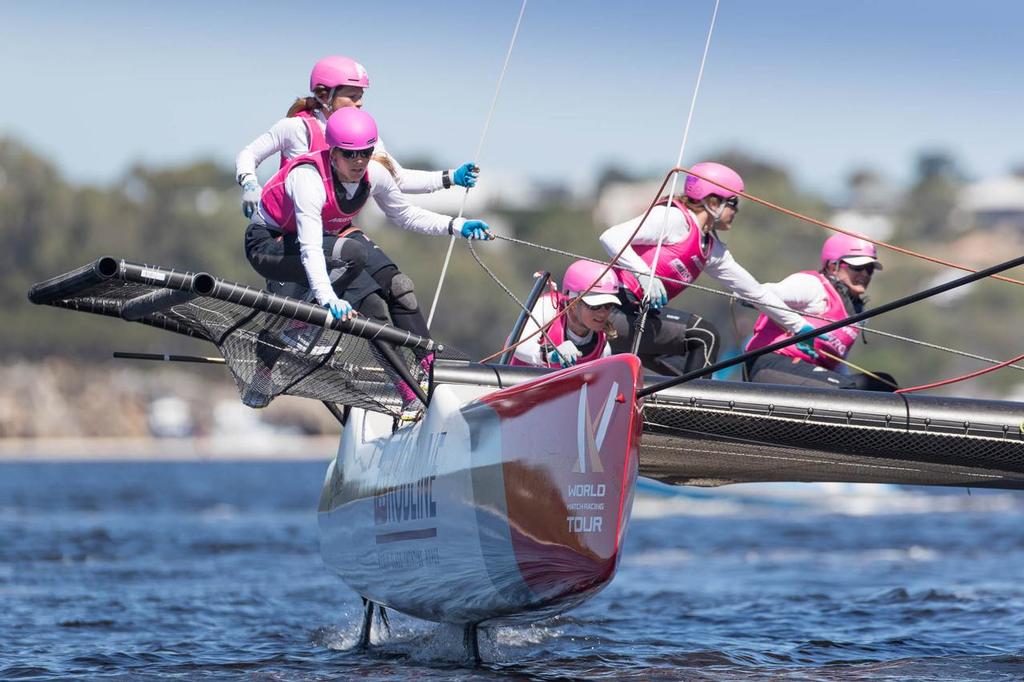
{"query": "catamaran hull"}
(509, 507)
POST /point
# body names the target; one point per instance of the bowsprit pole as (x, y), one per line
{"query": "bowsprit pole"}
(168, 357)
(888, 307)
(646, 304)
(476, 160)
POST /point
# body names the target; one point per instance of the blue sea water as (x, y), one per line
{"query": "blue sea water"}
(211, 570)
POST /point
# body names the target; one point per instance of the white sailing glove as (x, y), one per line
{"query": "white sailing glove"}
(566, 354)
(251, 193)
(657, 295)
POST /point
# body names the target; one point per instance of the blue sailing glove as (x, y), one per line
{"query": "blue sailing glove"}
(466, 175)
(566, 354)
(657, 295)
(340, 309)
(251, 192)
(807, 346)
(476, 229)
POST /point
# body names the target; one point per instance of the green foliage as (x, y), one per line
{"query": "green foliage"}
(928, 206)
(188, 217)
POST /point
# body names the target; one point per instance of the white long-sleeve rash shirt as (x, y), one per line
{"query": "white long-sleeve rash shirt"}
(721, 265)
(543, 312)
(802, 292)
(290, 137)
(306, 189)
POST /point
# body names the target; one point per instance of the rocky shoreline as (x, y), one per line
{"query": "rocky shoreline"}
(59, 406)
(282, 447)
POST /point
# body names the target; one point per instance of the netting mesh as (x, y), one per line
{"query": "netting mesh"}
(704, 444)
(268, 355)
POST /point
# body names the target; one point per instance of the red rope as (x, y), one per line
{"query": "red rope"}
(962, 377)
(780, 209)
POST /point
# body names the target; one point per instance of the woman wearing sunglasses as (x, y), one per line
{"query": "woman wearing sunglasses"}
(830, 294)
(303, 229)
(674, 341)
(582, 333)
(336, 82)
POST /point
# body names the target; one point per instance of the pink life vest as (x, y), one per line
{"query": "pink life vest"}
(683, 260)
(766, 332)
(337, 213)
(317, 140)
(556, 332)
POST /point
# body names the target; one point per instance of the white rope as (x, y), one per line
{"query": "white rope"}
(675, 177)
(476, 160)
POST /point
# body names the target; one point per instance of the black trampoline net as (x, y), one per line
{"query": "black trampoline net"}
(268, 354)
(717, 444)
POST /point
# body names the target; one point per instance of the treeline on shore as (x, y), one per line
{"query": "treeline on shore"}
(188, 217)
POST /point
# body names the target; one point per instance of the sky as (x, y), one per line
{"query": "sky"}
(824, 88)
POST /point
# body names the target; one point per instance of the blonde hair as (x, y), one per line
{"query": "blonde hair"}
(385, 160)
(309, 102)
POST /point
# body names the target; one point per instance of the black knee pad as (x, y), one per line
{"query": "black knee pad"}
(346, 253)
(375, 308)
(383, 278)
(403, 293)
(398, 288)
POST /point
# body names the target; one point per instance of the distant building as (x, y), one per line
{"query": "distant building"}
(870, 204)
(995, 204)
(620, 201)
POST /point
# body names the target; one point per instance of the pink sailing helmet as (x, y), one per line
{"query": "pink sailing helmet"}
(351, 128)
(699, 189)
(581, 274)
(849, 249)
(337, 71)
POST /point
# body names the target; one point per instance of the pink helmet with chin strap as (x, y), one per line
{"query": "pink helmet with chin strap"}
(699, 189)
(351, 128)
(581, 274)
(849, 249)
(337, 71)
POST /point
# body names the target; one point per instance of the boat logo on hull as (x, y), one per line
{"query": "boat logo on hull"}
(591, 431)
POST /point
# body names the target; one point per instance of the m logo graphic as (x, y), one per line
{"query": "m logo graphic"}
(588, 438)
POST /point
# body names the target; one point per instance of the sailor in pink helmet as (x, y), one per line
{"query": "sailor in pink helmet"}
(582, 333)
(691, 245)
(335, 82)
(832, 293)
(303, 230)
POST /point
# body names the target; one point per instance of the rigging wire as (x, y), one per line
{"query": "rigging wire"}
(835, 228)
(542, 329)
(717, 292)
(646, 305)
(770, 205)
(735, 297)
(476, 160)
(608, 266)
(962, 377)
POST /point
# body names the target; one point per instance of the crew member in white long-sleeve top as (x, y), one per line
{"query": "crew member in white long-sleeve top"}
(690, 246)
(836, 291)
(580, 333)
(335, 83)
(303, 230)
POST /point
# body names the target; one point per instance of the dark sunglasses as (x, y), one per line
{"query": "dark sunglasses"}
(603, 306)
(869, 267)
(733, 203)
(353, 153)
